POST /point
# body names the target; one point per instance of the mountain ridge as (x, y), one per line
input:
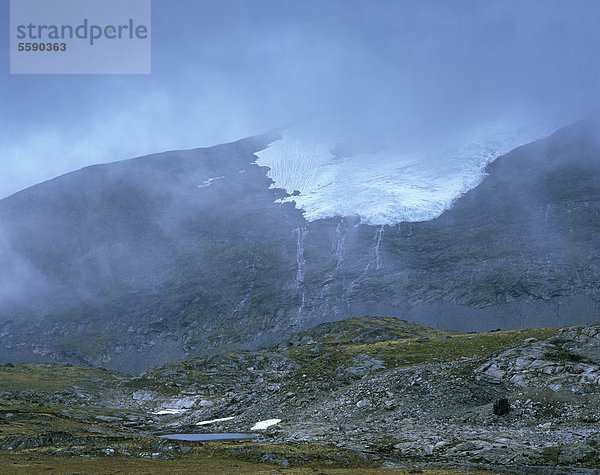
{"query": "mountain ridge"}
(187, 253)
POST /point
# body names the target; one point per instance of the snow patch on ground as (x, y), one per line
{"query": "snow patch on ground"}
(261, 425)
(212, 421)
(170, 406)
(168, 411)
(209, 181)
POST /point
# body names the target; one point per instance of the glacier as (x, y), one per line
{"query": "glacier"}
(388, 186)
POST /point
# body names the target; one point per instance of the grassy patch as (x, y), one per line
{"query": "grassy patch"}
(345, 331)
(54, 377)
(424, 348)
(44, 464)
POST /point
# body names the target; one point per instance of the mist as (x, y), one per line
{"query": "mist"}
(20, 281)
(401, 73)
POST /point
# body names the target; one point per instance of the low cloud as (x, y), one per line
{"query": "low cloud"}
(403, 72)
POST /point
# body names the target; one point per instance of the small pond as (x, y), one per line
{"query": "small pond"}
(204, 437)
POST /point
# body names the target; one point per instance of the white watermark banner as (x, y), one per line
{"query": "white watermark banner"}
(80, 37)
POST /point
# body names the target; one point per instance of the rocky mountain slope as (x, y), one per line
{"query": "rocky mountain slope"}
(365, 392)
(132, 264)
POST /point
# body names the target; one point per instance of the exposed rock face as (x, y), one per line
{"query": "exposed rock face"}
(132, 264)
(569, 361)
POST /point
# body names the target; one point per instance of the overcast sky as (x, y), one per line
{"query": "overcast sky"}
(222, 70)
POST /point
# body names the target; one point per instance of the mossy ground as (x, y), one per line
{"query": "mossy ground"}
(427, 346)
(33, 462)
(345, 331)
(54, 377)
